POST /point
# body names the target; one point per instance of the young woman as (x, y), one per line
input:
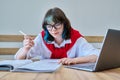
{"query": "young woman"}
(58, 40)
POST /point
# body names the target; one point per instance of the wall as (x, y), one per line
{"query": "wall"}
(90, 17)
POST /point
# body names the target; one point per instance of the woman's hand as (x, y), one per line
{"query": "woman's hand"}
(67, 61)
(78, 60)
(28, 42)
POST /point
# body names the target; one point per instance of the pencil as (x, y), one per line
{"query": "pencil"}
(22, 33)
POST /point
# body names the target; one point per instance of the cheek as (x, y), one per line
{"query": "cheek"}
(62, 29)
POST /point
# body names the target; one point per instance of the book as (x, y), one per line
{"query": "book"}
(45, 65)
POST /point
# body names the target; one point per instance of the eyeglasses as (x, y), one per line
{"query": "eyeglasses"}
(56, 26)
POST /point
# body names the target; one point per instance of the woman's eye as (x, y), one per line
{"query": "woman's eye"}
(57, 24)
(48, 26)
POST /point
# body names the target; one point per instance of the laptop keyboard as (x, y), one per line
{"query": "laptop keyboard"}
(86, 65)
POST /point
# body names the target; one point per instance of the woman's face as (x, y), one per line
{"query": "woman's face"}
(55, 30)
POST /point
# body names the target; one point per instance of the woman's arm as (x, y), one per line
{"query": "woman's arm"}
(27, 44)
(86, 59)
(85, 52)
(21, 54)
(78, 60)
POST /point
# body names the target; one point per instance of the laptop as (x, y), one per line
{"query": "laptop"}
(109, 56)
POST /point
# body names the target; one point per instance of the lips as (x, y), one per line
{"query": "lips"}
(56, 33)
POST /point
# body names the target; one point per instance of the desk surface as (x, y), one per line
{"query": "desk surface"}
(63, 74)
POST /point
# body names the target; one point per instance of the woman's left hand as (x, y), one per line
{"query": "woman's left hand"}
(67, 61)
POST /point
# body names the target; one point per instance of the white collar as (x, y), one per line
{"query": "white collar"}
(62, 44)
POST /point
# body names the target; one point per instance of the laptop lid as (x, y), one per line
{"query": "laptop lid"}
(110, 52)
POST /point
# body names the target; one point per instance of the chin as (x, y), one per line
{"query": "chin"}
(55, 36)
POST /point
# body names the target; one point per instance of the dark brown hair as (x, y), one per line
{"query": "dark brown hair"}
(57, 16)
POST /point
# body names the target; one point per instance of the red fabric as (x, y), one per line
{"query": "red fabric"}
(58, 53)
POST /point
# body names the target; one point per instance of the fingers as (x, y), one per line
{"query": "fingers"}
(67, 61)
(28, 42)
(28, 37)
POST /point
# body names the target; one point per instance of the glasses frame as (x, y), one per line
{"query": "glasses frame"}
(56, 26)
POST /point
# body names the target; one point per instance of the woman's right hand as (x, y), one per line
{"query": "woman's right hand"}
(28, 42)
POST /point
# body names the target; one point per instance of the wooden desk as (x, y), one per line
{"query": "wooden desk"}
(63, 74)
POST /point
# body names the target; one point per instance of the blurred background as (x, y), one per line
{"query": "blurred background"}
(90, 17)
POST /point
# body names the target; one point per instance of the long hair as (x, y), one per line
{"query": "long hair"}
(56, 15)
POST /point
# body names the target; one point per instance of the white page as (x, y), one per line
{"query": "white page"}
(47, 65)
(15, 63)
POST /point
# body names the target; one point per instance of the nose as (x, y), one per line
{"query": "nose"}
(53, 29)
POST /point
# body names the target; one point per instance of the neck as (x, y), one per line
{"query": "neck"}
(59, 40)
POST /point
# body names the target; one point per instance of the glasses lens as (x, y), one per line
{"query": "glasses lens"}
(58, 25)
(49, 27)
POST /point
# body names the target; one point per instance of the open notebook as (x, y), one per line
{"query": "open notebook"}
(109, 56)
(46, 65)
